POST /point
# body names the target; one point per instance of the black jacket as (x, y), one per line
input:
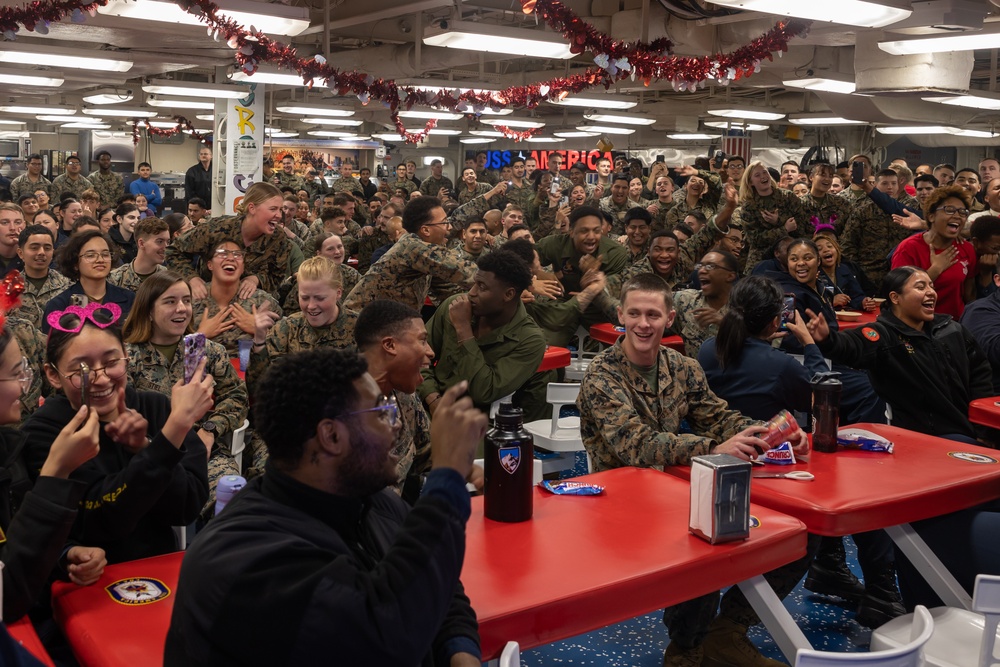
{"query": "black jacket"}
(198, 183)
(289, 575)
(127, 249)
(805, 298)
(131, 501)
(929, 377)
(982, 318)
(32, 539)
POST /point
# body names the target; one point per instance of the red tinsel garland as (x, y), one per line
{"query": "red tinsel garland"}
(182, 125)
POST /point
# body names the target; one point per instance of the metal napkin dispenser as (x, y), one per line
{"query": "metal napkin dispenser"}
(720, 498)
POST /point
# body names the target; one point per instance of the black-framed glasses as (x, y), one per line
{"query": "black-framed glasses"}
(952, 210)
(436, 224)
(229, 254)
(708, 266)
(25, 374)
(92, 256)
(114, 369)
(387, 405)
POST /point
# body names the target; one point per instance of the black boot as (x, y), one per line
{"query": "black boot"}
(829, 574)
(882, 601)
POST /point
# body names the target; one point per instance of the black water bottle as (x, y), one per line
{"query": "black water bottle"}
(826, 411)
(509, 451)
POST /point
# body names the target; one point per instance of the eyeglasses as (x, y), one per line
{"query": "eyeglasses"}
(436, 224)
(387, 405)
(113, 370)
(229, 254)
(92, 256)
(737, 240)
(710, 267)
(952, 210)
(25, 374)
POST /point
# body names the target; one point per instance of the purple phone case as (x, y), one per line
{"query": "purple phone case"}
(194, 352)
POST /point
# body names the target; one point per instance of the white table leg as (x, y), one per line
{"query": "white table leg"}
(787, 635)
(929, 566)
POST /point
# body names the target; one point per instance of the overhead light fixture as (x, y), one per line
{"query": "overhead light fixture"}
(163, 124)
(337, 122)
(429, 114)
(279, 133)
(87, 126)
(55, 118)
(475, 140)
(270, 18)
(828, 82)
(692, 136)
(329, 133)
(178, 103)
(119, 112)
(821, 119)
(53, 56)
(736, 125)
(974, 100)
(16, 77)
(548, 140)
(388, 136)
(495, 134)
(355, 137)
(976, 134)
(11, 122)
(606, 129)
(14, 134)
(206, 116)
(597, 102)
(749, 113)
(428, 159)
(848, 12)
(575, 134)
(502, 111)
(526, 123)
(34, 111)
(496, 39)
(306, 110)
(194, 89)
(917, 129)
(619, 118)
(109, 96)
(967, 41)
(270, 75)
(443, 131)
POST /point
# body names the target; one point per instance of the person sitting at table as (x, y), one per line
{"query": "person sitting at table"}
(153, 331)
(632, 401)
(982, 319)
(324, 539)
(778, 261)
(837, 276)
(151, 471)
(699, 311)
(487, 338)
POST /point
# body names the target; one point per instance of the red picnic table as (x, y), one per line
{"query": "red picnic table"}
(608, 333)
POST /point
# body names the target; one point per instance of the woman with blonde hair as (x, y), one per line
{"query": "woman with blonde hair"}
(331, 246)
(838, 278)
(767, 212)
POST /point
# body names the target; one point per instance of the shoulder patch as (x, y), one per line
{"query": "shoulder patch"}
(870, 334)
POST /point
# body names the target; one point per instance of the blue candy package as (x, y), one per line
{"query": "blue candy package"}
(781, 455)
(569, 488)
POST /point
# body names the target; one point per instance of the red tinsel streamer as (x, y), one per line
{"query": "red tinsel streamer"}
(584, 37)
(182, 124)
(11, 288)
(515, 134)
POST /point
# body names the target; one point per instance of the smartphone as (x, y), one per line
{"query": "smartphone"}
(564, 201)
(85, 384)
(79, 300)
(858, 172)
(554, 188)
(194, 352)
(787, 311)
(661, 158)
(720, 157)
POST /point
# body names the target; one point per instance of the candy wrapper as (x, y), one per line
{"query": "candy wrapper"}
(568, 488)
(866, 441)
(781, 455)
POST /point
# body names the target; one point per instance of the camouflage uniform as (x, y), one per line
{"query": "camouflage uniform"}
(522, 197)
(109, 188)
(22, 186)
(301, 232)
(293, 181)
(686, 326)
(869, 237)
(636, 257)
(853, 195)
(33, 299)
(675, 214)
(230, 339)
(32, 344)
(661, 215)
(148, 370)
(347, 184)
(368, 245)
(431, 186)
(290, 289)
(63, 184)
(270, 258)
(350, 239)
(761, 235)
(465, 195)
(617, 212)
(412, 445)
(404, 273)
(404, 184)
(490, 176)
(829, 210)
(126, 277)
(294, 334)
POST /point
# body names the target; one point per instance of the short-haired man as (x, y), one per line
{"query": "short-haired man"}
(486, 336)
(32, 180)
(11, 225)
(72, 181)
(854, 191)
(347, 183)
(637, 229)
(617, 203)
(198, 177)
(29, 206)
(473, 239)
(789, 174)
(197, 210)
(820, 205)
(989, 168)
(402, 182)
(368, 186)
(433, 185)
(519, 192)
(146, 187)
(347, 552)
(36, 246)
(484, 175)
(471, 187)
(411, 173)
(925, 184)
(604, 172)
(404, 273)
(530, 165)
(663, 188)
(735, 166)
(945, 173)
(968, 180)
(287, 177)
(152, 238)
(374, 236)
(632, 401)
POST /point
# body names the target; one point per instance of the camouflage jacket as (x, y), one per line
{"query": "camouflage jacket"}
(431, 186)
(33, 299)
(617, 212)
(522, 197)
(63, 184)
(293, 181)
(289, 291)
(350, 239)
(348, 184)
(624, 422)
(268, 257)
(230, 339)
(869, 237)
(412, 445)
(828, 210)
(109, 188)
(32, 344)
(675, 214)
(490, 176)
(404, 184)
(465, 195)
(761, 235)
(23, 186)
(661, 217)
(404, 273)
(686, 326)
(126, 277)
(367, 244)
(148, 370)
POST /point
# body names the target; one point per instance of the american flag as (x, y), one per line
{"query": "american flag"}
(736, 142)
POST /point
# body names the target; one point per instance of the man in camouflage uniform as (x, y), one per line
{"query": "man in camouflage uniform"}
(402, 182)
(32, 344)
(617, 203)
(871, 234)
(41, 283)
(404, 273)
(700, 311)
(72, 181)
(484, 175)
(109, 185)
(335, 221)
(287, 178)
(637, 222)
(347, 182)
(519, 190)
(152, 238)
(632, 401)
(470, 187)
(664, 191)
(31, 181)
(374, 237)
(432, 186)
(822, 208)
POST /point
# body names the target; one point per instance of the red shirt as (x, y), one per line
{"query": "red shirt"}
(915, 251)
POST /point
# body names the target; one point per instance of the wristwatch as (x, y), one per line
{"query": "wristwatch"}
(210, 427)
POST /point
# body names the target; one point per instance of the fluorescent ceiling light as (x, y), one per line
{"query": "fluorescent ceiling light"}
(977, 100)
(576, 134)
(442, 131)
(548, 140)
(269, 75)
(495, 134)
(338, 122)
(52, 56)
(605, 129)
(354, 137)
(11, 122)
(270, 18)
(389, 136)
(822, 119)
(475, 140)
(849, 12)
(497, 39)
(109, 96)
(330, 133)
(119, 112)
(967, 41)
(489, 111)
(194, 89)
(87, 126)
(736, 125)
(977, 134)
(178, 103)
(917, 129)
(339, 112)
(430, 158)
(206, 116)
(16, 77)
(54, 118)
(592, 102)
(514, 122)
(748, 113)
(829, 83)
(685, 136)
(619, 118)
(429, 115)
(282, 135)
(32, 110)
(15, 134)
(163, 124)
